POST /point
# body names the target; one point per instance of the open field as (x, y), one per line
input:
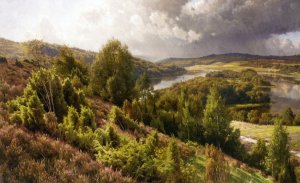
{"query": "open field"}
(235, 66)
(265, 132)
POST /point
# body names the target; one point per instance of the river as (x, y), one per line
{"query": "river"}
(283, 93)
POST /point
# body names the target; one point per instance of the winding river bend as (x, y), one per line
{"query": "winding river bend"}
(283, 93)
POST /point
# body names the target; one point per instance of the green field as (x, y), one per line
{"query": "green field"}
(265, 132)
(235, 66)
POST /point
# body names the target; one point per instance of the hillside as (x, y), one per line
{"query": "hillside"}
(34, 157)
(22, 50)
(55, 127)
(225, 58)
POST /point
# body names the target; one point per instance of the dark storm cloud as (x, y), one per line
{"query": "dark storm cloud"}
(235, 25)
(159, 28)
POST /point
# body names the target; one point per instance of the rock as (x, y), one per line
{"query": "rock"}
(3, 60)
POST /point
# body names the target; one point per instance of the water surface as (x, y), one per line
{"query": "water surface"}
(283, 93)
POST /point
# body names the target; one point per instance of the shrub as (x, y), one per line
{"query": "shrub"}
(87, 118)
(28, 157)
(125, 123)
(217, 169)
(253, 116)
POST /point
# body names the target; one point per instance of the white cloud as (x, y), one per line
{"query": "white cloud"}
(157, 28)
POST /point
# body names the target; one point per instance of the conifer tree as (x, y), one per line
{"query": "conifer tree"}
(259, 154)
(70, 94)
(173, 160)
(87, 118)
(278, 159)
(288, 116)
(216, 120)
(32, 113)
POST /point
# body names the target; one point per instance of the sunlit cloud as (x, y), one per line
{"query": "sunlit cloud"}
(157, 29)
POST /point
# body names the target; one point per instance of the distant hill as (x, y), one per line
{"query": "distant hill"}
(13, 50)
(19, 50)
(229, 57)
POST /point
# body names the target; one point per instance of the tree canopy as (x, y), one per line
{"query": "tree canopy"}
(112, 73)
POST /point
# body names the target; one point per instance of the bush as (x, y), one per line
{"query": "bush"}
(118, 117)
(87, 118)
(217, 169)
(253, 116)
(27, 157)
(266, 119)
(297, 120)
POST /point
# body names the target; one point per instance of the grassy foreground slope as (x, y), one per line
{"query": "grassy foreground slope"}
(34, 157)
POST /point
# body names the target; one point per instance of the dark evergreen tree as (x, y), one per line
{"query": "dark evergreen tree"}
(259, 154)
(288, 117)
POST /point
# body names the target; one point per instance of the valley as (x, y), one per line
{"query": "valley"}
(168, 112)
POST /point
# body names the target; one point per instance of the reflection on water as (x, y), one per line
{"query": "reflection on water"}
(283, 94)
(286, 90)
(168, 82)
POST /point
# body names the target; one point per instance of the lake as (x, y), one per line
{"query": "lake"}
(283, 93)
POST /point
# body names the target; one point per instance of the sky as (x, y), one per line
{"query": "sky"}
(157, 29)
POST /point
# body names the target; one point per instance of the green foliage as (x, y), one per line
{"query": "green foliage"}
(28, 157)
(78, 129)
(67, 66)
(28, 110)
(188, 126)
(253, 116)
(125, 123)
(216, 120)
(32, 114)
(134, 159)
(173, 163)
(70, 95)
(266, 118)
(288, 117)
(297, 120)
(87, 118)
(49, 90)
(217, 130)
(217, 169)
(279, 155)
(136, 111)
(259, 154)
(111, 73)
(113, 138)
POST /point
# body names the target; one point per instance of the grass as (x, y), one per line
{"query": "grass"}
(236, 66)
(265, 132)
(237, 175)
(247, 106)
